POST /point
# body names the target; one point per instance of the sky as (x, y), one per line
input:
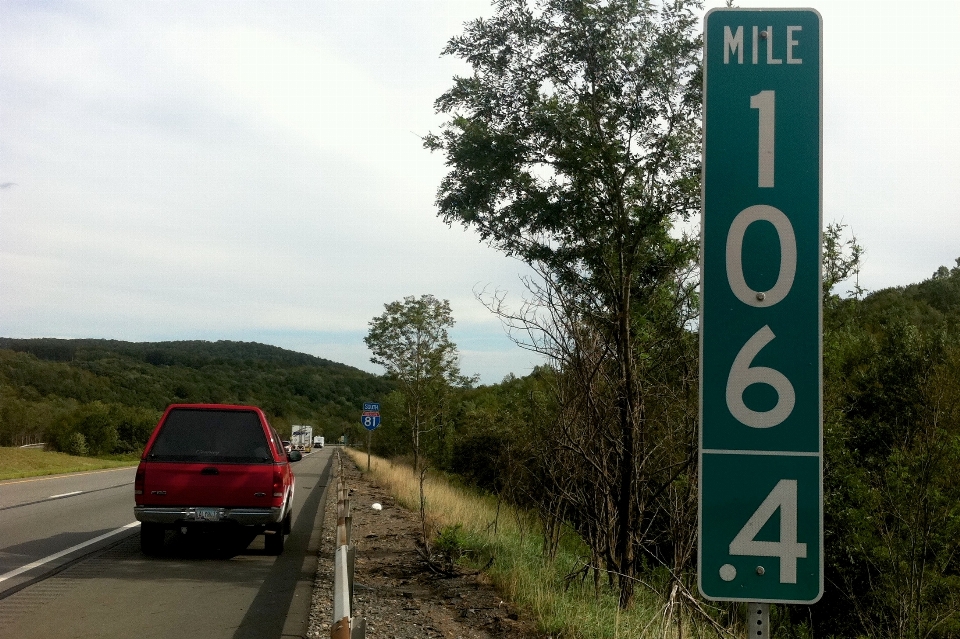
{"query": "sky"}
(254, 171)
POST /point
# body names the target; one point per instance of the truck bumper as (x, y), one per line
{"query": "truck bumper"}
(175, 515)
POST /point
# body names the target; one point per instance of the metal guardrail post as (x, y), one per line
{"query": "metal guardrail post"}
(344, 522)
(359, 629)
(351, 562)
(343, 537)
(345, 625)
(341, 597)
(348, 523)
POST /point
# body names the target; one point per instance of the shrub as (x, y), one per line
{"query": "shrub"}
(77, 444)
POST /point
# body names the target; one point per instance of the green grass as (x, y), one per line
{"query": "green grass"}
(29, 462)
(567, 608)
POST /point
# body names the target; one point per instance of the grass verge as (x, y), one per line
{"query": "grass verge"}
(16, 463)
(562, 607)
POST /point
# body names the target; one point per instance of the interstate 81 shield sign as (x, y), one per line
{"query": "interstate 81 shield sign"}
(761, 495)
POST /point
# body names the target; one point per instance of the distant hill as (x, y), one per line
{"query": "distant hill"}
(932, 303)
(44, 380)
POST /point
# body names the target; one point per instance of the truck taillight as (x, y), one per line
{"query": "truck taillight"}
(277, 483)
(138, 482)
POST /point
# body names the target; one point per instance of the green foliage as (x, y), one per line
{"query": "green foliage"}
(76, 444)
(477, 458)
(93, 423)
(134, 425)
(449, 541)
(841, 259)
(112, 393)
(892, 444)
(410, 340)
(453, 544)
(495, 426)
(569, 104)
(392, 438)
(103, 429)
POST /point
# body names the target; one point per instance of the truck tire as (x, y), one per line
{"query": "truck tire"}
(151, 538)
(273, 541)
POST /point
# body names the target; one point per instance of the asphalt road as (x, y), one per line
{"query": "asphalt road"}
(198, 587)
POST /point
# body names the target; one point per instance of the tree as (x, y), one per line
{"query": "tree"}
(410, 340)
(841, 260)
(575, 146)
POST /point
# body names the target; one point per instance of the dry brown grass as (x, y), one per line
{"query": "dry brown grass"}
(562, 608)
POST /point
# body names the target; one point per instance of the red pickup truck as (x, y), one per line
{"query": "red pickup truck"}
(214, 465)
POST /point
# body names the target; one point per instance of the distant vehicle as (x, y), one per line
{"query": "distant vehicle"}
(287, 446)
(214, 466)
(302, 438)
(318, 441)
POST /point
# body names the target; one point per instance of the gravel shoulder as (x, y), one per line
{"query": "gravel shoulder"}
(394, 589)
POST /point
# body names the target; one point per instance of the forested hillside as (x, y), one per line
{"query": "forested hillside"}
(892, 440)
(111, 393)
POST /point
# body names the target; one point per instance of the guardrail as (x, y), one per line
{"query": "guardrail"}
(345, 625)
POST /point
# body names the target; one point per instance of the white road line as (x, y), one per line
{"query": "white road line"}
(76, 492)
(45, 560)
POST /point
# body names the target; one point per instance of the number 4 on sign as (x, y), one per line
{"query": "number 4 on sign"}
(788, 549)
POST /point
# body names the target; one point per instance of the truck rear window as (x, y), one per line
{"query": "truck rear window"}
(192, 435)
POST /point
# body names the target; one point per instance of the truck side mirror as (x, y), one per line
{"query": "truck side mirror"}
(294, 455)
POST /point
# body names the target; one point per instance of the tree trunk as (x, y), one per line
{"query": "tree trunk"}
(628, 461)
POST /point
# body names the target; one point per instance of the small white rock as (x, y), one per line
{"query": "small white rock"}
(376, 506)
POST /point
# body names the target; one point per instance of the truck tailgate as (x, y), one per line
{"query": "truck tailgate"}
(203, 484)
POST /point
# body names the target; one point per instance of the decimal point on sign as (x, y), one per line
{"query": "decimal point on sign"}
(728, 572)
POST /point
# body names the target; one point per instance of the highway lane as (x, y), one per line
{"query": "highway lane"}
(194, 588)
(18, 492)
(44, 516)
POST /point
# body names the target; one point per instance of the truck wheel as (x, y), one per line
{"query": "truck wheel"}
(273, 541)
(151, 538)
(287, 524)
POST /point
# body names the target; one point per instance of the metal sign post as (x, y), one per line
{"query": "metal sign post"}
(761, 452)
(758, 621)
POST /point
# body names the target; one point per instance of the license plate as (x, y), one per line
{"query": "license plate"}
(208, 514)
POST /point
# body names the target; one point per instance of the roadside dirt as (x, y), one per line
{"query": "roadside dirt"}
(394, 589)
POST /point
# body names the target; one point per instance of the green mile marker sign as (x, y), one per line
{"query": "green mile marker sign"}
(761, 450)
